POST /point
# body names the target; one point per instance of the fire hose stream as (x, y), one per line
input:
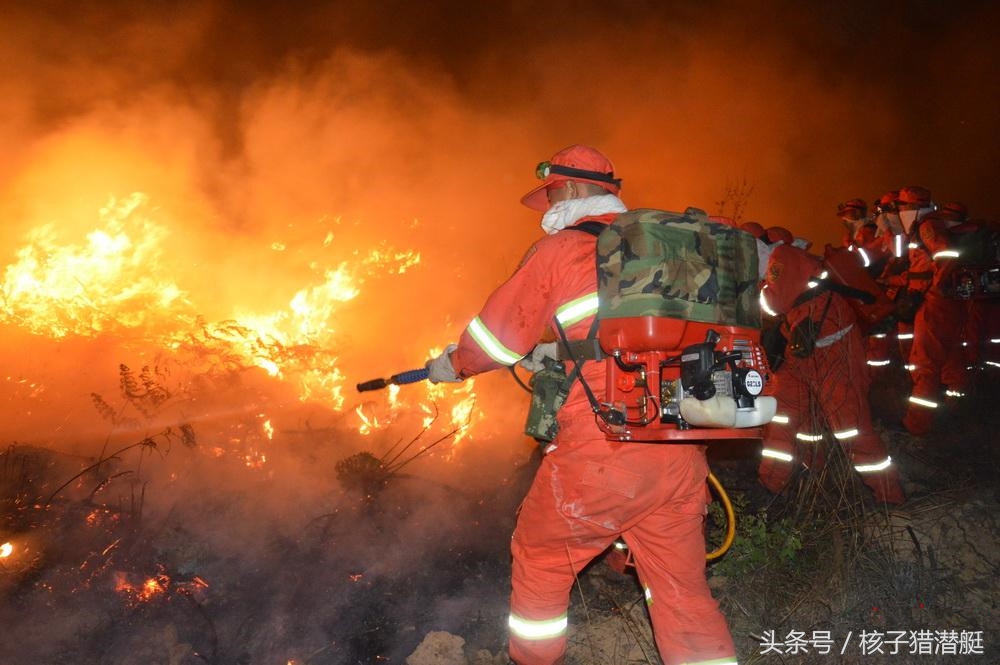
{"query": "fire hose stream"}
(416, 375)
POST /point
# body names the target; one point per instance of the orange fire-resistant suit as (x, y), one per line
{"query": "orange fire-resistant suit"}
(588, 491)
(827, 389)
(937, 355)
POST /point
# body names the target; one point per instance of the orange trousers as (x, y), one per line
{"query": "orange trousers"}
(585, 494)
(829, 389)
(937, 338)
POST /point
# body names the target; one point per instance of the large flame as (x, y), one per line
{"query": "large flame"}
(105, 283)
(120, 279)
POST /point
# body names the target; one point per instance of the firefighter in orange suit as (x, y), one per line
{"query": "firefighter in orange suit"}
(589, 491)
(981, 330)
(908, 278)
(937, 329)
(854, 214)
(823, 373)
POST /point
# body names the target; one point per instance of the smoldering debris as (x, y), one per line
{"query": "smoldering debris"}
(210, 569)
(223, 541)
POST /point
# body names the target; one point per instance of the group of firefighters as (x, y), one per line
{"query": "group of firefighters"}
(937, 270)
(588, 491)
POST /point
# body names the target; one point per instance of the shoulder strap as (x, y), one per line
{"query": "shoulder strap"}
(826, 286)
(578, 365)
(592, 227)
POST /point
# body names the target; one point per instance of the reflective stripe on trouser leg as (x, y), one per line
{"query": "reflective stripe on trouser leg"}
(874, 467)
(545, 562)
(871, 460)
(779, 455)
(527, 629)
(776, 461)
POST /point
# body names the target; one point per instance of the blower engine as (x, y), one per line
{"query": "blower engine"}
(709, 386)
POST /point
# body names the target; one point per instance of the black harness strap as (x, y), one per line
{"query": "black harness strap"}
(825, 285)
(575, 349)
(592, 227)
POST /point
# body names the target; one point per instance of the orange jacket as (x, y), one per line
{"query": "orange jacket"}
(557, 278)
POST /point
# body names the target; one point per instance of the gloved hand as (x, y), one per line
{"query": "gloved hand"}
(440, 369)
(534, 361)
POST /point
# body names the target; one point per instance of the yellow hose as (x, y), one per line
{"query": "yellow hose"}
(730, 518)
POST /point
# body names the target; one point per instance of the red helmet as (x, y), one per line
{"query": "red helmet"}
(777, 234)
(954, 211)
(915, 195)
(579, 163)
(853, 209)
(887, 202)
(753, 228)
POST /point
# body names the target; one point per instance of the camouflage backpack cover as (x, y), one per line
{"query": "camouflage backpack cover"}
(678, 265)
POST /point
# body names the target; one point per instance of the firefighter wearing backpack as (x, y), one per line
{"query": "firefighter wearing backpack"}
(588, 491)
(937, 355)
(824, 372)
(976, 282)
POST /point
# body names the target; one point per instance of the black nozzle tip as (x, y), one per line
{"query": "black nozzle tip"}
(374, 384)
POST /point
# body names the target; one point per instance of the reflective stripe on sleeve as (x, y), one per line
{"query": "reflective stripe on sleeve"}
(577, 310)
(879, 363)
(846, 434)
(776, 454)
(779, 418)
(538, 630)
(488, 342)
(811, 438)
(871, 468)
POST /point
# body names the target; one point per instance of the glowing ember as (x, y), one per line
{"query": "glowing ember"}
(394, 262)
(149, 589)
(268, 429)
(6, 550)
(255, 459)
